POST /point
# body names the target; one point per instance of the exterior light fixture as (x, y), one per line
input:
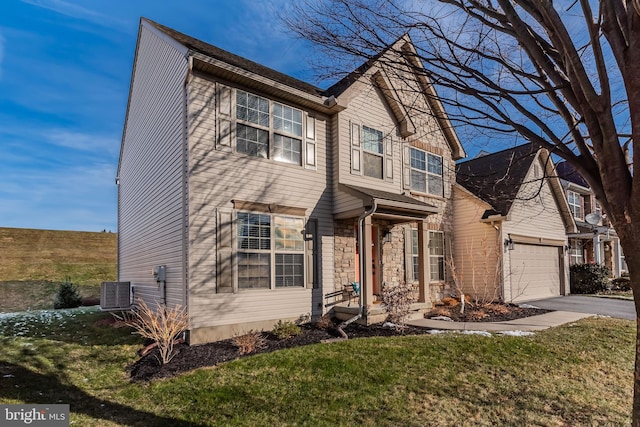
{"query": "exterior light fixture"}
(508, 243)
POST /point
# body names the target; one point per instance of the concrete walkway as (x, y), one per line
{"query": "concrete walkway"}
(532, 323)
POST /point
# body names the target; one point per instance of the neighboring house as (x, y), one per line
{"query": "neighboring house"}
(247, 195)
(595, 240)
(511, 223)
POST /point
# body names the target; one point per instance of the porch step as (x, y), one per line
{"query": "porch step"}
(377, 313)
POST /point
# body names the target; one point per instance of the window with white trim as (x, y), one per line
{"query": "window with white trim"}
(269, 246)
(269, 129)
(373, 153)
(576, 253)
(426, 172)
(415, 254)
(436, 255)
(575, 204)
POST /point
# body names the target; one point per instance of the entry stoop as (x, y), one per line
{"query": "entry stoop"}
(377, 312)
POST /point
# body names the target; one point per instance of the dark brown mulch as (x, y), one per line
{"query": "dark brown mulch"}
(188, 358)
(486, 313)
(198, 356)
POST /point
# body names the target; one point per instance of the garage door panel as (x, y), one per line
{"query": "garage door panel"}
(535, 272)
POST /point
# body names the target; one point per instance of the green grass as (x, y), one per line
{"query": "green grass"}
(578, 374)
(35, 262)
(52, 255)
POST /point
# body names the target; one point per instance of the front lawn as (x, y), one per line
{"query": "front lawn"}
(578, 374)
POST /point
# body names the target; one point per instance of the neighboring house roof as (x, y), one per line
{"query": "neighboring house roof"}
(496, 178)
(567, 172)
(235, 60)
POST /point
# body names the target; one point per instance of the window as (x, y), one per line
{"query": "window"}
(265, 241)
(254, 251)
(269, 129)
(252, 141)
(436, 255)
(289, 246)
(415, 254)
(575, 204)
(426, 172)
(576, 253)
(373, 155)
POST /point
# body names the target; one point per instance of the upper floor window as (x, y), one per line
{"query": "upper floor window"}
(373, 152)
(426, 172)
(575, 204)
(269, 129)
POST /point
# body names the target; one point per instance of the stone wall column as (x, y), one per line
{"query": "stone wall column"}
(424, 295)
(366, 277)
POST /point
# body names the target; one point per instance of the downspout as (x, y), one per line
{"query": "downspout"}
(362, 266)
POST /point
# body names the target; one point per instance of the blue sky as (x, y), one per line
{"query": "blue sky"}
(65, 67)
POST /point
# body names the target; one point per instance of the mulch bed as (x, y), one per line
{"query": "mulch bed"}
(485, 313)
(188, 358)
(198, 356)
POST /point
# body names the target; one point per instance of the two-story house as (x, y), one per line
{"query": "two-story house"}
(595, 240)
(246, 195)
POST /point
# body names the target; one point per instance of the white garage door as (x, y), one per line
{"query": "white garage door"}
(535, 272)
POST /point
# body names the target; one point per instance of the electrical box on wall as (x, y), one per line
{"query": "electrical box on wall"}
(160, 273)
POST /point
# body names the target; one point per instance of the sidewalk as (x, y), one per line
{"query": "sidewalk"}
(532, 323)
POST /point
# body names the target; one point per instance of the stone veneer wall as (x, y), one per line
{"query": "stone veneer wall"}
(345, 252)
(393, 253)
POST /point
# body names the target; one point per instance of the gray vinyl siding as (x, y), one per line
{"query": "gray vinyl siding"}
(534, 213)
(151, 191)
(218, 176)
(368, 108)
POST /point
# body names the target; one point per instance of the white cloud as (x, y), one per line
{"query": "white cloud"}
(75, 11)
(82, 141)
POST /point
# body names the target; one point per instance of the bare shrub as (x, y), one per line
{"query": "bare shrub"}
(325, 322)
(249, 342)
(162, 325)
(498, 308)
(481, 276)
(397, 301)
(450, 301)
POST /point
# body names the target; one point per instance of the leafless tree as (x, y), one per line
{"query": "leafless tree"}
(564, 75)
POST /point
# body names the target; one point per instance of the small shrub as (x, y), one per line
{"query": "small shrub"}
(161, 325)
(621, 284)
(498, 308)
(325, 322)
(286, 329)
(589, 278)
(68, 296)
(249, 342)
(397, 301)
(450, 301)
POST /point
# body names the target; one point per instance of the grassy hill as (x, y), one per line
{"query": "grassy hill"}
(34, 262)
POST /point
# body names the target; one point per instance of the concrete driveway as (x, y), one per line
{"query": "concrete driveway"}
(621, 309)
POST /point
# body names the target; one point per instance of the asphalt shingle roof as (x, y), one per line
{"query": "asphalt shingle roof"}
(496, 178)
(235, 60)
(568, 172)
